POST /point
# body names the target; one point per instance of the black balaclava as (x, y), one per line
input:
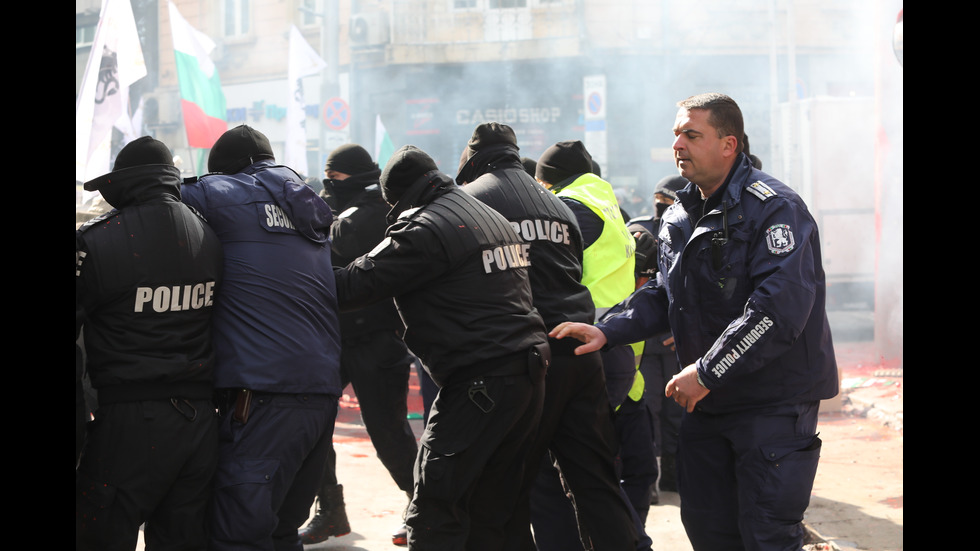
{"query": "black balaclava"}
(669, 186)
(350, 159)
(356, 162)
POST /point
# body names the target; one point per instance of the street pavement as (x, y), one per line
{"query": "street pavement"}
(857, 499)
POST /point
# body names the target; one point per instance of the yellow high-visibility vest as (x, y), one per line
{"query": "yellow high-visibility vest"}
(607, 264)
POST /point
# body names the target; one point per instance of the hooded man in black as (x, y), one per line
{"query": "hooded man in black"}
(459, 275)
(146, 275)
(576, 422)
(374, 359)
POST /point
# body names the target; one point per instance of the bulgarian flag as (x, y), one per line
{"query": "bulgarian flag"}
(201, 98)
(383, 146)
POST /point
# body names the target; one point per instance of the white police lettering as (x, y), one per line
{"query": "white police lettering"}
(742, 346)
(506, 257)
(176, 298)
(275, 217)
(542, 230)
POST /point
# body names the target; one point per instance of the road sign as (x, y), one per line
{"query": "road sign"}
(336, 114)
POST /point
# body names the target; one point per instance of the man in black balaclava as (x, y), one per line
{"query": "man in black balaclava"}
(146, 275)
(374, 359)
(459, 276)
(664, 195)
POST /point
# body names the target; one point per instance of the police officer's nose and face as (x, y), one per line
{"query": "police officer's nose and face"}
(700, 154)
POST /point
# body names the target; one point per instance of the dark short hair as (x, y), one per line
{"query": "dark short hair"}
(724, 114)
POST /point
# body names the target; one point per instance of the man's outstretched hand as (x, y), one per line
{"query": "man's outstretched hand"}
(591, 335)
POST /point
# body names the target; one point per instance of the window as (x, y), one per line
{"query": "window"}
(309, 10)
(238, 15)
(464, 4)
(497, 4)
(84, 35)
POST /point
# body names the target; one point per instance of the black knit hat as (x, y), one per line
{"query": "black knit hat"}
(486, 137)
(238, 148)
(530, 165)
(350, 159)
(491, 133)
(404, 167)
(139, 152)
(670, 185)
(563, 160)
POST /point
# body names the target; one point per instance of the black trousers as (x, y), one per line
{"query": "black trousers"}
(471, 462)
(377, 366)
(577, 427)
(151, 461)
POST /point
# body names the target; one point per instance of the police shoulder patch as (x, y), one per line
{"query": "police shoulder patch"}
(760, 190)
(780, 240)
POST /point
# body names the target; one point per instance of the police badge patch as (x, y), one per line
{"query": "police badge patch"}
(780, 239)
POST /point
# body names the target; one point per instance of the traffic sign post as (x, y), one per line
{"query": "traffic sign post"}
(336, 114)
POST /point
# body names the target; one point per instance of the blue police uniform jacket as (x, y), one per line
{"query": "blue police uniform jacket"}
(275, 324)
(743, 291)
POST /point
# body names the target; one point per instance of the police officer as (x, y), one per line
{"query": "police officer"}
(459, 275)
(568, 170)
(374, 359)
(146, 277)
(277, 340)
(746, 306)
(576, 423)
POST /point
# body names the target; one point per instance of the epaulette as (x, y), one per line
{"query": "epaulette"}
(348, 212)
(97, 220)
(760, 190)
(409, 213)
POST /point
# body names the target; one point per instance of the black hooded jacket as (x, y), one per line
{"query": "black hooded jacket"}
(459, 276)
(145, 280)
(360, 221)
(497, 177)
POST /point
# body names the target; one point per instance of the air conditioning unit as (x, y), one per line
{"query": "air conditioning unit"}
(369, 28)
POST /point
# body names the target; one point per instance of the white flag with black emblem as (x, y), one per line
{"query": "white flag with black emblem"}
(303, 62)
(115, 63)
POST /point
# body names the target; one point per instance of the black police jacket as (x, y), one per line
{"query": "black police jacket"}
(459, 275)
(545, 222)
(359, 224)
(146, 278)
